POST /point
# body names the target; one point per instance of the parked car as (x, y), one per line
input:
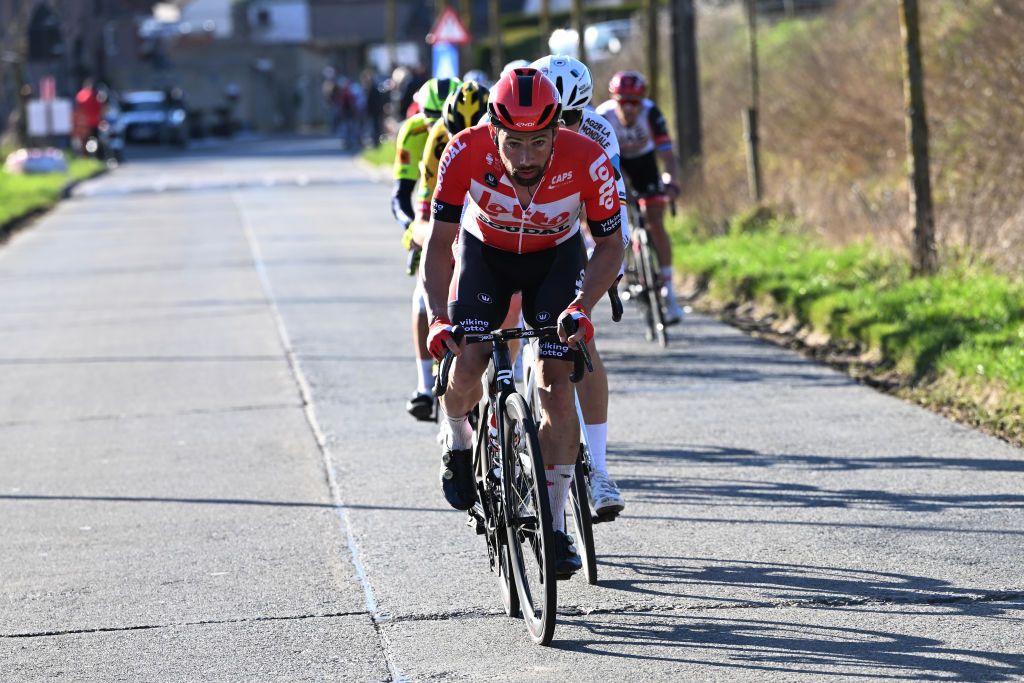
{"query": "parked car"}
(603, 40)
(150, 115)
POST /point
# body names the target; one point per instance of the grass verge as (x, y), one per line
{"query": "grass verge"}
(21, 195)
(953, 341)
(381, 155)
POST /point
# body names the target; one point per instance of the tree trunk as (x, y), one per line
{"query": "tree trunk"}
(922, 218)
(653, 75)
(579, 19)
(687, 95)
(497, 51)
(750, 120)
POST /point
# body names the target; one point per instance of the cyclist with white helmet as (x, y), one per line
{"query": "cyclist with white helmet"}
(575, 87)
(512, 66)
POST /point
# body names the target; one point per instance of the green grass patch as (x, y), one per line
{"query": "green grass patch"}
(381, 155)
(963, 327)
(23, 194)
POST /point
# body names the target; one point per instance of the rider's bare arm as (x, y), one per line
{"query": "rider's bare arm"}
(437, 266)
(602, 269)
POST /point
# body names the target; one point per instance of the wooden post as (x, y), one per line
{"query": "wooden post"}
(922, 217)
(580, 22)
(497, 51)
(687, 95)
(545, 25)
(653, 75)
(750, 118)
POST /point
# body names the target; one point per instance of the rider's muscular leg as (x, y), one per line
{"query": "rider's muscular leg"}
(593, 390)
(559, 430)
(420, 330)
(464, 392)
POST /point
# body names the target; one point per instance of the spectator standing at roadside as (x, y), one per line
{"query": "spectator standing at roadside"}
(88, 110)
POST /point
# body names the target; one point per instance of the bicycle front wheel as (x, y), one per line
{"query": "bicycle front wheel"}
(656, 305)
(528, 521)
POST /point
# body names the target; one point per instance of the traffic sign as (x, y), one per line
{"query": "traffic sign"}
(449, 29)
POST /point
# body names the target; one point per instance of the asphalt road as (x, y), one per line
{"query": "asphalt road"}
(206, 471)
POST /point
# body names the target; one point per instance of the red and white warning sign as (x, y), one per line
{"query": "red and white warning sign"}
(449, 29)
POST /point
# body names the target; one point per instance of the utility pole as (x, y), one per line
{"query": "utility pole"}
(580, 22)
(497, 52)
(922, 216)
(687, 95)
(653, 76)
(750, 124)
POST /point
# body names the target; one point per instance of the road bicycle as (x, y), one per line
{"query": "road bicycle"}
(643, 278)
(512, 510)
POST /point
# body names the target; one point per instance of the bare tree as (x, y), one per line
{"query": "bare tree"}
(922, 216)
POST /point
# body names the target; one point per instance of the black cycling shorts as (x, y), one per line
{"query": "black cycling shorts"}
(486, 278)
(643, 175)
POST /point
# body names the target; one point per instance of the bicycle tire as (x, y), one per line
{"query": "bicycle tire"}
(579, 507)
(488, 491)
(530, 535)
(656, 305)
(638, 287)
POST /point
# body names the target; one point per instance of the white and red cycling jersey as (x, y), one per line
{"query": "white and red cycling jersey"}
(578, 175)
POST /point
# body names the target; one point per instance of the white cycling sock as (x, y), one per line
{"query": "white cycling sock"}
(559, 480)
(666, 279)
(426, 382)
(597, 439)
(460, 432)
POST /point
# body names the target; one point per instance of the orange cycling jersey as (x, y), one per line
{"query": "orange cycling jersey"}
(579, 175)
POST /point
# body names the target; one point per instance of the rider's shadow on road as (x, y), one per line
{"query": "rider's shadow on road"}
(812, 642)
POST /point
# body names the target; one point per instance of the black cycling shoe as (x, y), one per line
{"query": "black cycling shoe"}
(567, 560)
(421, 406)
(457, 481)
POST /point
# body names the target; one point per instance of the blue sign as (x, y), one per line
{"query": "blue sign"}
(446, 60)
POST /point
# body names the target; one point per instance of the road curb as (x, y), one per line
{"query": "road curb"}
(13, 225)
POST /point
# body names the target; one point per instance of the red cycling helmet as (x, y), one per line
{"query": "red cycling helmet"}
(525, 100)
(628, 85)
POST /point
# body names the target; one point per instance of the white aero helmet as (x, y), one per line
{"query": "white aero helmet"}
(477, 76)
(514, 64)
(571, 77)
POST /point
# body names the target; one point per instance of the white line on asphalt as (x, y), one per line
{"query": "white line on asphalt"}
(306, 394)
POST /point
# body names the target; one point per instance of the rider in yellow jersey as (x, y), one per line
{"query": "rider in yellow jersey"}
(412, 138)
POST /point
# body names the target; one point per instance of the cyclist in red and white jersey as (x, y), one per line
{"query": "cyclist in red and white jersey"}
(526, 183)
(575, 87)
(643, 141)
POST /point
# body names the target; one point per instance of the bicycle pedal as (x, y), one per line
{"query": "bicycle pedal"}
(605, 517)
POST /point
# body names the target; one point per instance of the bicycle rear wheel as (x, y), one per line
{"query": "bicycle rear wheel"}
(583, 523)
(528, 518)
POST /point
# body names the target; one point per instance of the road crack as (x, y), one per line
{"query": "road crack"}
(184, 624)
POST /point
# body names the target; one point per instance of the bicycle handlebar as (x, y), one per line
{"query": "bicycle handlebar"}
(581, 356)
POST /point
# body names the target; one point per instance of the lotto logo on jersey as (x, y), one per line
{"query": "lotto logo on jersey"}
(601, 171)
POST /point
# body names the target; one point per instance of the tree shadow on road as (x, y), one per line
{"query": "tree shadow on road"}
(813, 647)
(772, 583)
